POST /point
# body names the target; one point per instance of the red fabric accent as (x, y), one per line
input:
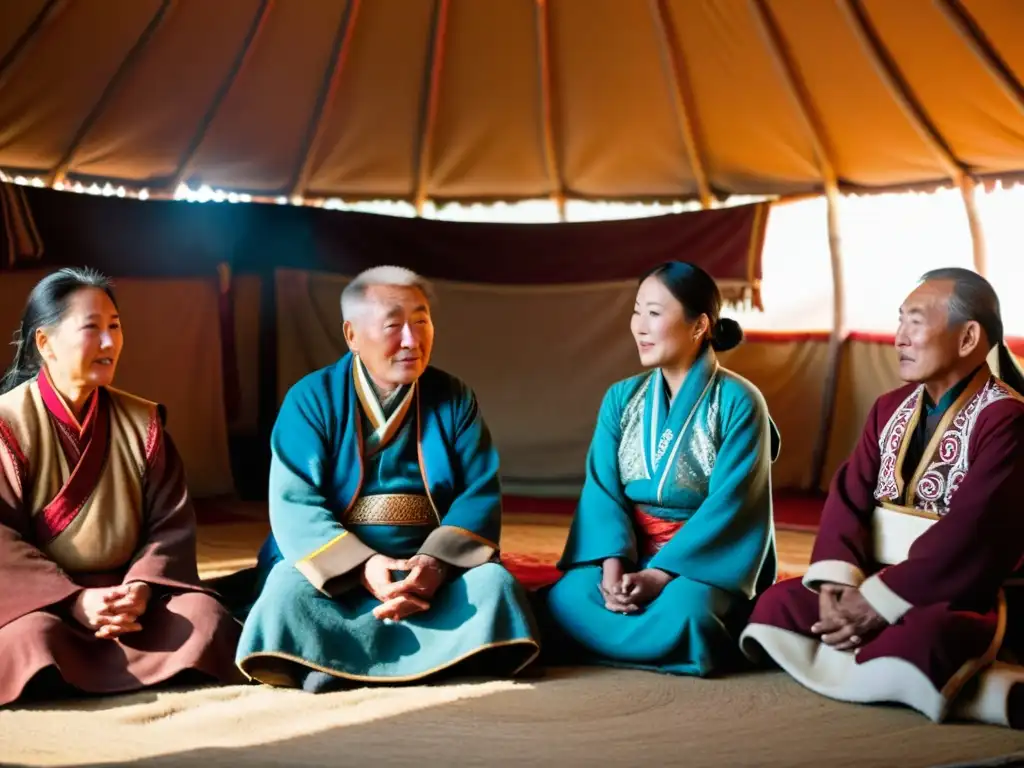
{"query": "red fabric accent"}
(65, 506)
(59, 410)
(654, 533)
(872, 337)
(153, 434)
(532, 572)
(178, 239)
(786, 337)
(10, 443)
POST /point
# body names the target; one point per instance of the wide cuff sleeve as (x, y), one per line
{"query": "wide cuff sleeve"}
(886, 603)
(166, 556)
(602, 527)
(459, 547)
(327, 567)
(832, 572)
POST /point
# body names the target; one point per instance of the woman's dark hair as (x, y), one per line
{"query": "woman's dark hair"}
(696, 290)
(45, 308)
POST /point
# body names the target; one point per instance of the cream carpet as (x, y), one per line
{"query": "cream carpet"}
(571, 717)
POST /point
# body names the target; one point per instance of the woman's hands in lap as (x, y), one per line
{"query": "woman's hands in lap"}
(112, 611)
(628, 593)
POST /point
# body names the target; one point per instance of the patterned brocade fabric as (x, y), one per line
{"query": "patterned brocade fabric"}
(391, 509)
(933, 486)
(632, 463)
(693, 461)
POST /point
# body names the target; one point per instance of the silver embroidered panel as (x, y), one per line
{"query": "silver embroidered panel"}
(693, 462)
(632, 464)
(696, 458)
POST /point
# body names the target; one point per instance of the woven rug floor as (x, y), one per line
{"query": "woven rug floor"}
(568, 717)
(571, 717)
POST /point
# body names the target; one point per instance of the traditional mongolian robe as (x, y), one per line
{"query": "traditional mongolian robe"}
(684, 487)
(925, 520)
(352, 476)
(93, 504)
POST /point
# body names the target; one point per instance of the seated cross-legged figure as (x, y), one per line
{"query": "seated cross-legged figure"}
(908, 594)
(673, 536)
(99, 590)
(385, 509)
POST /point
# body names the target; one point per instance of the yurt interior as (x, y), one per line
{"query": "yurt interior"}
(232, 165)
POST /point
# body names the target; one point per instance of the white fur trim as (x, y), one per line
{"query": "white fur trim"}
(887, 603)
(986, 699)
(837, 675)
(834, 571)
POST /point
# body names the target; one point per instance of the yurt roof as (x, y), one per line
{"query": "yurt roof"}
(512, 99)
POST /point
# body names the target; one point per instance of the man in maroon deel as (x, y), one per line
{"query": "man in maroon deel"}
(906, 598)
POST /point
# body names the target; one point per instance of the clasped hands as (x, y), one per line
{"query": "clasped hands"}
(112, 611)
(410, 595)
(629, 592)
(845, 618)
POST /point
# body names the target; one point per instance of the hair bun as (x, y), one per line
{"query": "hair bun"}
(727, 334)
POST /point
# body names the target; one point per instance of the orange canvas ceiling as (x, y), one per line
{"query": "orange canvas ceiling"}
(511, 99)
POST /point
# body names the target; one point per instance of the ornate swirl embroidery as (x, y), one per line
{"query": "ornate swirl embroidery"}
(949, 465)
(930, 486)
(889, 446)
(950, 446)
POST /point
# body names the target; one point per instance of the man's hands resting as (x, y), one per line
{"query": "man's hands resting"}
(629, 592)
(400, 599)
(845, 618)
(112, 611)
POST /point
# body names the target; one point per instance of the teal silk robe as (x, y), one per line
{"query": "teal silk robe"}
(705, 464)
(352, 477)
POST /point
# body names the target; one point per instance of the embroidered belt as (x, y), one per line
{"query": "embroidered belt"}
(391, 509)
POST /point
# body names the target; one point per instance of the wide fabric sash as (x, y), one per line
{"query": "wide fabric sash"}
(894, 531)
(654, 532)
(391, 509)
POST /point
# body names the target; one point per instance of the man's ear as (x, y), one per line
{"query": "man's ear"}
(350, 336)
(970, 338)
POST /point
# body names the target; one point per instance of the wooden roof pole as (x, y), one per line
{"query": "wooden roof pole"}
(340, 51)
(46, 15)
(547, 87)
(60, 170)
(185, 164)
(800, 95)
(970, 31)
(428, 116)
(682, 96)
(903, 94)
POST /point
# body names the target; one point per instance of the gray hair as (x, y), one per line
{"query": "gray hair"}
(354, 294)
(973, 298)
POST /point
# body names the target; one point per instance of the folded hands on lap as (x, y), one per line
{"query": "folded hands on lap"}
(112, 611)
(628, 592)
(845, 618)
(405, 597)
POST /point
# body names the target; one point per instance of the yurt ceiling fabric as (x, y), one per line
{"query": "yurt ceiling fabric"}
(512, 99)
